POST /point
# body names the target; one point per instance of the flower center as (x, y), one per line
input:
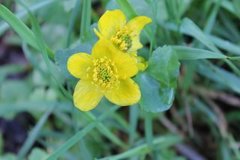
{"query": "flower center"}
(104, 73)
(122, 39)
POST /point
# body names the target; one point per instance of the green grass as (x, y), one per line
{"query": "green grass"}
(195, 104)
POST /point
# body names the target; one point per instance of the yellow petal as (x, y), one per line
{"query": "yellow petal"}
(86, 96)
(127, 93)
(136, 24)
(103, 48)
(141, 63)
(78, 63)
(134, 54)
(126, 65)
(97, 33)
(110, 22)
(136, 44)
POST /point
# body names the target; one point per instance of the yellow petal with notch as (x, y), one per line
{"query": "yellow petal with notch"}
(136, 24)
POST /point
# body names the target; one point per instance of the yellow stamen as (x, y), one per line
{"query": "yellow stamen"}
(122, 39)
(104, 73)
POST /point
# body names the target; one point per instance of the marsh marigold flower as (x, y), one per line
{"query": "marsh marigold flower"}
(106, 72)
(124, 35)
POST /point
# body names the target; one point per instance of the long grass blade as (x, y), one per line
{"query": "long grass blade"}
(22, 30)
(34, 134)
(86, 20)
(78, 136)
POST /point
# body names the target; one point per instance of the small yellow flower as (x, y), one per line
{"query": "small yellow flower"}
(124, 35)
(106, 72)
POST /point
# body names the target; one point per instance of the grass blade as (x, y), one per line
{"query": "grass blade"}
(22, 14)
(220, 75)
(104, 130)
(187, 53)
(86, 20)
(78, 136)
(133, 123)
(22, 30)
(127, 8)
(33, 134)
(189, 28)
(226, 45)
(229, 7)
(72, 21)
(160, 142)
(148, 129)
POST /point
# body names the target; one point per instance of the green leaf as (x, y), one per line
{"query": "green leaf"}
(188, 53)
(154, 98)
(164, 66)
(62, 56)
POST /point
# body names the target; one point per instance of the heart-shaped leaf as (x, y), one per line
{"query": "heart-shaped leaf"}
(164, 66)
(154, 98)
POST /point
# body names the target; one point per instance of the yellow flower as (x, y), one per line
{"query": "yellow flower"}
(124, 35)
(106, 72)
